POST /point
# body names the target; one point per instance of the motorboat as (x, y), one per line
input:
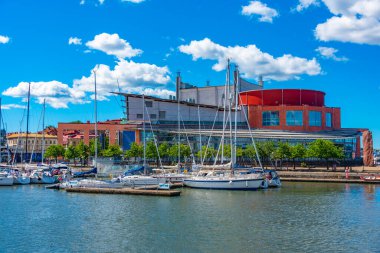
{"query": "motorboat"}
(141, 180)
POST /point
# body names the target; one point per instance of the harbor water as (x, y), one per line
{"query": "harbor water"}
(299, 217)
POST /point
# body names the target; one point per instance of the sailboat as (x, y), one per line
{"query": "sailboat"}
(141, 180)
(218, 178)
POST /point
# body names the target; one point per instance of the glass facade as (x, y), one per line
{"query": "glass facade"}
(294, 118)
(315, 118)
(328, 119)
(271, 118)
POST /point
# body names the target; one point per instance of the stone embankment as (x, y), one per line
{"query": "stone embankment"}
(340, 175)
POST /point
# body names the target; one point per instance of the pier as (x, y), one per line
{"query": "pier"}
(126, 191)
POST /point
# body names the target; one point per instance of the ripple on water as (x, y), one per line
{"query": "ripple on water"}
(296, 218)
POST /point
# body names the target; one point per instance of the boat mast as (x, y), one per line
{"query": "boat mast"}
(230, 112)
(179, 123)
(144, 141)
(27, 124)
(224, 109)
(96, 123)
(236, 91)
(43, 132)
(200, 134)
(1, 134)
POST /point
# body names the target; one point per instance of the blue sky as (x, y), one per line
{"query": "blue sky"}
(325, 45)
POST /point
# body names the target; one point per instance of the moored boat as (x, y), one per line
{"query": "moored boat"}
(5, 179)
(21, 179)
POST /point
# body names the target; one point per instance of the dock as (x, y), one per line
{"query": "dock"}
(126, 191)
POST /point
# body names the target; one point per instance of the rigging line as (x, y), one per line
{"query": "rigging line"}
(224, 127)
(154, 137)
(209, 138)
(35, 137)
(187, 138)
(18, 137)
(250, 132)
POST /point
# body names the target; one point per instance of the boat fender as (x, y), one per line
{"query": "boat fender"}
(230, 182)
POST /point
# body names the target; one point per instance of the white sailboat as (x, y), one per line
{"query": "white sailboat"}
(5, 179)
(140, 180)
(221, 179)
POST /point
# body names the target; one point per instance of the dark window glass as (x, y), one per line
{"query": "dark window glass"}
(148, 103)
(139, 116)
(294, 118)
(153, 116)
(315, 118)
(271, 118)
(328, 119)
(162, 114)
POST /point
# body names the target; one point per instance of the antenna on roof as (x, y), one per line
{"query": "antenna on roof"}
(261, 82)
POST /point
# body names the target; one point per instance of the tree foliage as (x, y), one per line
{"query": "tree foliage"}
(55, 151)
(71, 153)
(83, 151)
(135, 151)
(112, 151)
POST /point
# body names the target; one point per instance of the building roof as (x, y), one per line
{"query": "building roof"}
(30, 135)
(168, 100)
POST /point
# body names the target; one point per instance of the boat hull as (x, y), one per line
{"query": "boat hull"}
(6, 181)
(232, 184)
(141, 181)
(43, 180)
(21, 180)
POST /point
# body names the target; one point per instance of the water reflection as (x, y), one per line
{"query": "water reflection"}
(299, 217)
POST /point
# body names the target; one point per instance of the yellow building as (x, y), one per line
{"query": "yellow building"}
(35, 142)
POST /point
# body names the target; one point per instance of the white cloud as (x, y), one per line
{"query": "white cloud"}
(101, 1)
(133, 1)
(133, 77)
(75, 41)
(82, 2)
(112, 44)
(258, 8)
(57, 94)
(252, 61)
(356, 21)
(329, 53)
(129, 74)
(304, 4)
(4, 39)
(12, 106)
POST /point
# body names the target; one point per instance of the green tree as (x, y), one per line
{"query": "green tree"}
(163, 149)
(227, 150)
(324, 149)
(282, 152)
(83, 151)
(134, 151)
(151, 151)
(202, 154)
(297, 152)
(92, 147)
(185, 151)
(71, 153)
(54, 151)
(112, 151)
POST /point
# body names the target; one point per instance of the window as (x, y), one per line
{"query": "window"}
(153, 116)
(161, 114)
(271, 118)
(139, 116)
(315, 118)
(148, 103)
(294, 118)
(328, 119)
